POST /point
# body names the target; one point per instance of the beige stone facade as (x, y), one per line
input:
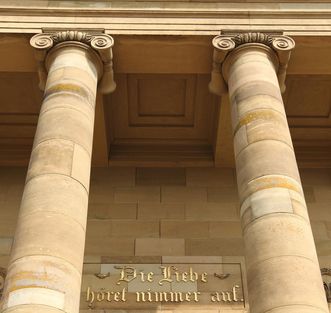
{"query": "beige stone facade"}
(121, 230)
(164, 156)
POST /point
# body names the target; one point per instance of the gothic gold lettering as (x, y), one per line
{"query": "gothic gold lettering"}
(127, 274)
(90, 296)
(234, 292)
(195, 294)
(176, 296)
(100, 296)
(166, 272)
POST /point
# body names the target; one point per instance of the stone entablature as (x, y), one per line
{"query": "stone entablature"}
(188, 18)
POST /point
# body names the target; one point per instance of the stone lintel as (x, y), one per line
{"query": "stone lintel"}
(99, 42)
(277, 45)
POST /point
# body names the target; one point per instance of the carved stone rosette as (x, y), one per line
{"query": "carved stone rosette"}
(101, 43)
(224, 44)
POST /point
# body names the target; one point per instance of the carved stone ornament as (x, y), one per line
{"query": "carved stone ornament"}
(224, 44)
(2, 280)
(101, 43)
(327, 285)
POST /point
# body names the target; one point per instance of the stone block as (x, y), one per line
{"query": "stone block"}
(309, 193)
(323, 247)
(112, 210)
(157, 211)
(320, 230)
(212, 211)
(57, 194)
(113, 177)
(241, 139)
(184, 229)
(137, 194)
(63, 280)
(192, 259)
(250, 73)
(7, 226)
(293, 273)
(160, 176)
(276, 236)
(54, 156)
(319, 212)
(210, 177)
(74, 62)
(324, 261)
(66, 124)
(263, 158)
(4, 260)
(82, 76)
(214, 246)
(98, 228)
(69, 101)
(107, 246)
(223, 194)
(135, 229)
(328, 229)
(322, 193)
(258, 102)
(92, 258)
(81, 164)
(225, 230)
(5, 245)
(272, 181)
(183, 194)
(264, 202)
(258, 121)
(101, 194)
(61, 237)
(159, 246)
(91, 268)
(131, 259)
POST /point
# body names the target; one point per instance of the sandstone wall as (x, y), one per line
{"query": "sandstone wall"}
(139, 215)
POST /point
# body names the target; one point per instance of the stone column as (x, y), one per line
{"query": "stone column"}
(44, 273)
(282, 268)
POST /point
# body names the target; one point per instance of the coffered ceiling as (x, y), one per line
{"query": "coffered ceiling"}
(162, 113)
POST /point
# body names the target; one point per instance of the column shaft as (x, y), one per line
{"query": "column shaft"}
(44, 274)
(282, 266)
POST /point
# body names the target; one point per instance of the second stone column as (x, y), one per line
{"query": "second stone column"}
(282, 268)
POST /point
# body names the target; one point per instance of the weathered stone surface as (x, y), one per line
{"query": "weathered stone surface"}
(46, 261)
(159, 246)
(282, 266)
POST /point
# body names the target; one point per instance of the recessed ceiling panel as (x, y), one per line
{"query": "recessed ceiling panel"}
(161, 112)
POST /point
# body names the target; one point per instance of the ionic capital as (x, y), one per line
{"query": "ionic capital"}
(278, 46)
(100, 43)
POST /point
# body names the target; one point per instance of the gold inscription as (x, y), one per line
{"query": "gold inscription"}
(163, 296)
(226, 296)
(169, 271)
(168, 277)
(102, 295)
